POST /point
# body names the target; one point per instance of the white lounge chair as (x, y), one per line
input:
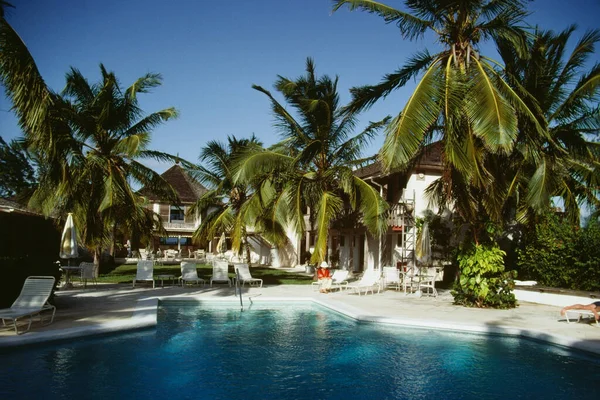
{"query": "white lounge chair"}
(339, 280)
(245, 276)
(145, 272)
(220, 272)
(32, 300)
(391, 277)
(580, 314)
(370, 280)
(189, 273)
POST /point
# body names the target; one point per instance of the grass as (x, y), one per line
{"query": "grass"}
(270, 276)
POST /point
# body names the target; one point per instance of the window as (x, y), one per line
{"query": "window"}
(172, 241)
(177, 214)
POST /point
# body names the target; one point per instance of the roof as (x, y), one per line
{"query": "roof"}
(188, 189)
(10, 206)
(429, 159)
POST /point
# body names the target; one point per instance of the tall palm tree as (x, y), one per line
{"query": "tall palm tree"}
(108, 136)
(226, 204)
(461, 97)
(567, 96)
(311, 168)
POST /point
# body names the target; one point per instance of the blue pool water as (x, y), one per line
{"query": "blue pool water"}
(295, 351)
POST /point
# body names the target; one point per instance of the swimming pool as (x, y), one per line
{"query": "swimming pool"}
(299, 351)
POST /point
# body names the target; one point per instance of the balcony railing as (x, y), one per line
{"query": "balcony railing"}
(181, 226)
(401, 214)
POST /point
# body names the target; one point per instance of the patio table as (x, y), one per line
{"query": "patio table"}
(68, 271)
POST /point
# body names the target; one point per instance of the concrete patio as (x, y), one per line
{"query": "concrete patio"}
(111, 308)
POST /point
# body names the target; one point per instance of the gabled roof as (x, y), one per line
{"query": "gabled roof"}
(429, 159)
(188, 189)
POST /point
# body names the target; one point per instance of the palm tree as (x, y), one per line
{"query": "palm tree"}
(311, 168)
(461, 97)
(226, 203)
(565, 94)
(108, 135)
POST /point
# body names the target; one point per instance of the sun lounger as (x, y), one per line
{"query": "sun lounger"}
(244, 274)
(189, 273)
(220, 272)
(31, 302)
(145, 271)
(370, 280)
(580, 314)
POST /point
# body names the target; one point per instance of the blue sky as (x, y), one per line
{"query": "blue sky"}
(210, 54)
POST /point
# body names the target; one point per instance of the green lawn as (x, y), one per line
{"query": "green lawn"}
(270, 276)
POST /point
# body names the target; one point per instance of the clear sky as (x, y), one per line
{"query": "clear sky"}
(211, 52)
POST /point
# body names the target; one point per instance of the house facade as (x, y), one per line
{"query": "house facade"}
(352, 247)
(178, 224)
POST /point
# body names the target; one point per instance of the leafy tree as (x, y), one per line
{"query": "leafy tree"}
(108, 135)
(17, 176)
(311, 168)
(89, 140)
(460, 98)
(555, 83)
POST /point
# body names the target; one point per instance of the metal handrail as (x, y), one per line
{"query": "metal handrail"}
(237, 287)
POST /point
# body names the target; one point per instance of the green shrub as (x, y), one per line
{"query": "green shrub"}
(483, 281)
(29, 246)
(559, 254)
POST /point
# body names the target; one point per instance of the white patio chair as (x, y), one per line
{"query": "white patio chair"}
(145, 272)
(370, 280)
(88, 272)
(427, 281)
(32, 300)
(245, 276)
(391, 277)
(220, 272)
(189, 274)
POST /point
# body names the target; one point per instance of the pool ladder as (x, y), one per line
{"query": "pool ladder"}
(238, 289)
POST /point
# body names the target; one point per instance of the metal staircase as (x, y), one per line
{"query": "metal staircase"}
(406, 223)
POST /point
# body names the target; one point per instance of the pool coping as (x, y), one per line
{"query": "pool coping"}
(146, 311)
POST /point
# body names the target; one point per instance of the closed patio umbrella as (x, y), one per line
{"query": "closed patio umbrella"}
(423, 250)
(68, 242)
(222, 244)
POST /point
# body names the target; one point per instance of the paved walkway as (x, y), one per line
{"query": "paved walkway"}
(109, 308)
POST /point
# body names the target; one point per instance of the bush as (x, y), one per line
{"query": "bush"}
(559, 254)
(29, 246)
(483, 281)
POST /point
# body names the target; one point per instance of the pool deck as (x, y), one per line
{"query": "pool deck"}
(112, 308)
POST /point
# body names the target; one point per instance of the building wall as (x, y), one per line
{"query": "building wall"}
(418, 183)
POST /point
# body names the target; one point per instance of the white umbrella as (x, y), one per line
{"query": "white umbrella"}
(222, 244)
(423, 250)
(68, 242)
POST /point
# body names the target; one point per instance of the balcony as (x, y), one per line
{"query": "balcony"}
(180, 226)
(401, 215)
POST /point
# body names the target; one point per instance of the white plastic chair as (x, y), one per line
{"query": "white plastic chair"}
(189, 273)
(245, 276)
(145, 272)
(427, 281)
(88, 272)
(220, 272)
(391, 277)
(32, 300)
